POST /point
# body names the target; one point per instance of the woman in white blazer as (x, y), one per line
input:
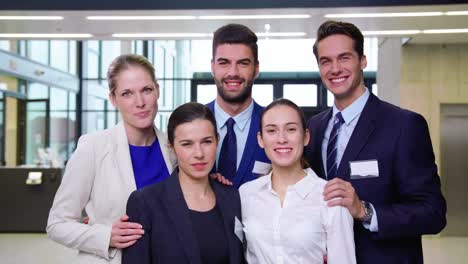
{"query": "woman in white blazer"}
(104, 169)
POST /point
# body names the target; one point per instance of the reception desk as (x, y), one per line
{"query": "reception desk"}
(26, 196)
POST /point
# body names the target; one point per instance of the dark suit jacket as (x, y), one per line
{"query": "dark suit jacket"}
(406, 195)
(169, 236)
(252, 151)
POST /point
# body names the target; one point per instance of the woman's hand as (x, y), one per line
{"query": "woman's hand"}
(125, 234)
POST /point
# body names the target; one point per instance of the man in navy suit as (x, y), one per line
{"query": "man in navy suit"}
(234, 67)
(377, 157)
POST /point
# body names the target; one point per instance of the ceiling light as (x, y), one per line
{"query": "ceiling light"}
(390, 32)
(292, 16)
(457, 13)
(281, 34)
(141, 17)
(31, 17)
(445, 31)
(406, 14)
(45, 35)
(162, 35)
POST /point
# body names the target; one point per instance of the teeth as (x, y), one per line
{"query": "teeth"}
(338, 80)
(283, 150)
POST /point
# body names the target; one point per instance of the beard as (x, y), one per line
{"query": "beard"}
(242, 97)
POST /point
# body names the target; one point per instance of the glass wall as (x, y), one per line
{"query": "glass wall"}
(2, 130)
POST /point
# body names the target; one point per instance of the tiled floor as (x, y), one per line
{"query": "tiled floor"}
(37, 249)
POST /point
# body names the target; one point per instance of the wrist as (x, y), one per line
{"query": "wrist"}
(367, 214)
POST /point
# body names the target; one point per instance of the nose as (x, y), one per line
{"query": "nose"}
(140, 100)
(233, 70)
(335, 67)
(282, 137)
(198, 151)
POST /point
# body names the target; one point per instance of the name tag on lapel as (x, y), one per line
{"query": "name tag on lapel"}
(363, 169)
(261, 168)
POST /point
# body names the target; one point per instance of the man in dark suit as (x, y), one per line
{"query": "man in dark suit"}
(377, 157)
(234, 67)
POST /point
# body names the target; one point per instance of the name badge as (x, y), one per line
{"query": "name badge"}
(363, 169)
(261, 168)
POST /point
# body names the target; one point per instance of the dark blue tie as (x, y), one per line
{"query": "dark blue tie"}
(332, 165)
(227, 162)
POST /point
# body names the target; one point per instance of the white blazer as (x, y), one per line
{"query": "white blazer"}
(98, 178)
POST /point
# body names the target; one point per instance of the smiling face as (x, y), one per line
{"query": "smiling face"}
(234, 70)
(283, 136)
(195, 148)
(135, 96)
(341, 69)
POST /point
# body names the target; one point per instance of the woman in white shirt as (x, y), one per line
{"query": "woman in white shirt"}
(285, 217)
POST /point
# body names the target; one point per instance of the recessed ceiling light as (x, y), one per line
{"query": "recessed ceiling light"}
(445, 31)
(46, 35)
(281, 34)
(141, 17)
(292, 16)
(457, 13)
(162, 35)
(31, 17)
(404, 14)
(390, 32)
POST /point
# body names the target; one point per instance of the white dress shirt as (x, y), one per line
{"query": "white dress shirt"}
(241, 128)
(302, 231)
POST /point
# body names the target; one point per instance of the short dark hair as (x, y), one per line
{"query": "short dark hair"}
(187, 113)
(123, 62)
(300, 113)
(332, 27)
(236, 34)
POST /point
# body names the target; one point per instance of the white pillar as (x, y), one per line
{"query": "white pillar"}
(389, 70)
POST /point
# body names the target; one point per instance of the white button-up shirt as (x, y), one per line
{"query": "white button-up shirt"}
(302, 231)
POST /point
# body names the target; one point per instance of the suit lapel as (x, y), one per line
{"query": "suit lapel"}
(319, 139)
(250, 146)
(178, 212)
(360, 136)
(123, 159)
(228, 214)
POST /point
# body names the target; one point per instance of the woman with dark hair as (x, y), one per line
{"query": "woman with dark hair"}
(108, 165)
(285, 217)
(188, 218)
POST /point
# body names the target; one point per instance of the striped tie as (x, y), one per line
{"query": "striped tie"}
(332, 165)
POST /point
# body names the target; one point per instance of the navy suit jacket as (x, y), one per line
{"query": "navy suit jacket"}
(252, 151)
(169, 236)
(406, 195)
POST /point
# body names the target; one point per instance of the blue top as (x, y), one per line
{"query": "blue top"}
(148, 164)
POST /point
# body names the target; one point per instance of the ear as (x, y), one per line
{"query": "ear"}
(363, 62)
(212, 67)
(260, 140)
(306, 137)
(112, 99)
(257, 69)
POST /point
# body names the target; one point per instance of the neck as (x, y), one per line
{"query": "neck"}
(194, 188)
(282, 177)
(140, 137)
(347, 100)
(233, 109)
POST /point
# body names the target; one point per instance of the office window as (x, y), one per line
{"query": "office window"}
(5, 45)
(59, 54)
(72, 57)
(302, 94)
(92, 55)
(59, 122)
(38, 50)
(110, 50)
(262, 93)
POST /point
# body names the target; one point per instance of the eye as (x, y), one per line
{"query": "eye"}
(270, 131)
(207, 141)
(148, 90)
(292, 129)
(126, 93)
(186, 144)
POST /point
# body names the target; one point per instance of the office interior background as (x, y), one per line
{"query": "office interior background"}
(54, 58)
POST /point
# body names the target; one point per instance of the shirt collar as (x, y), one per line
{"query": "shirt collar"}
(354, 109)
(302, 187)
(241, 119)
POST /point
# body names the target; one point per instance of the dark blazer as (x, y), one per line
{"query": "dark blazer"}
(406, 195)
(169, 236)
(252, 151)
